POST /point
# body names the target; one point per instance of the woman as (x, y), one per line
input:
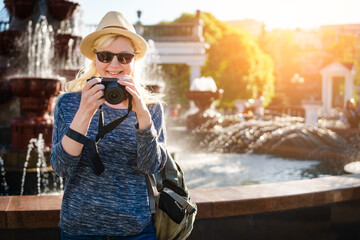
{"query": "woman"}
(113, 202)
(351, 115)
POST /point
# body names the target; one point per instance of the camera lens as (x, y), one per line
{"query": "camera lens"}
(114, 94)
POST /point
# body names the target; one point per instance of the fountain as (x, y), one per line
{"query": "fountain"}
(149, 71)
(222, 137)
(203, 92)
(40, 52)
(229, 151)
(213, 141)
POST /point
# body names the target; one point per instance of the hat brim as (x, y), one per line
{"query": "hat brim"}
(87, 44)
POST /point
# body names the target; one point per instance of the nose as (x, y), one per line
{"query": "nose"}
(115, 62)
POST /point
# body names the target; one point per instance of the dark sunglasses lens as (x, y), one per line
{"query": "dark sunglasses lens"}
(105, 57)
(125, 58)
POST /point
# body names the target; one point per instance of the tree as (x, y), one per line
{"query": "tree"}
(239, 67)
(177, 78)
(347, 49)
(281, 46)
(235, 60)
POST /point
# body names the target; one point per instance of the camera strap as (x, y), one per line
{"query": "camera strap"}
(95, 161)
(102, 129)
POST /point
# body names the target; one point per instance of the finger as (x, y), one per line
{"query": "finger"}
(100, 101)
(98, 95)
(90, 96)
(133, 93)
(95, 98)
(126, 79)
(96, 88)
(89, 93)
(126, 83)
(90, 83)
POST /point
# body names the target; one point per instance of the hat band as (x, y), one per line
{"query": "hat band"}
(115, 27)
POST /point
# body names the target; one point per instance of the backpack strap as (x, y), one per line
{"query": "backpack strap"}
(151, 186)
(180, 200)
(170, 169)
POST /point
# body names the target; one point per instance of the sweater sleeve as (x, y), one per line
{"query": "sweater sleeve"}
(151, 151)
(62, 162)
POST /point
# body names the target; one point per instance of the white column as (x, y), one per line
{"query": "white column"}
(326, 97)
(311, 115)
(323, 94)
(329, 93)
(195, 72)
(349, 87)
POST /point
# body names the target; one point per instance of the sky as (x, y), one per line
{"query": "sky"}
(273, 13)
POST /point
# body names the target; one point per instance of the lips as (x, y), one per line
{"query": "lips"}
(114, 74)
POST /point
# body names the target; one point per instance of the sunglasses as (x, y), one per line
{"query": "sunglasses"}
(106, 57)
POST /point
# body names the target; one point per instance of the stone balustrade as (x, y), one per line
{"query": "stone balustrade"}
(171, 32)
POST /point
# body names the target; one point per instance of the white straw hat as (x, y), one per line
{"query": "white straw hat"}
(113, 22)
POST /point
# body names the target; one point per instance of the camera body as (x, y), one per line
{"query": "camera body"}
(114, 93)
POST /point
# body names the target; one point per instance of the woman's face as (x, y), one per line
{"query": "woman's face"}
(113, 68)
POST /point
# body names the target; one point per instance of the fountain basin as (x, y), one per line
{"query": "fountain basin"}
(68, 74)
(9, 41)
(35, 94)
(61, 10)
(224, 170)
(28, 86)
(14, 160)
(323, 208)
(62, 43)
(153, 88)
(24, 129)
(204, 99)
(21, 9)
(5, 93)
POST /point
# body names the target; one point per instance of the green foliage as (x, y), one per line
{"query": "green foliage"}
(347, 49)
(281, 46)
(238, 66)
(213, 29)
(177, 82)
(235, 61)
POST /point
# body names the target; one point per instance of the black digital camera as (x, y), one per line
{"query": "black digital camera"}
(114, 93)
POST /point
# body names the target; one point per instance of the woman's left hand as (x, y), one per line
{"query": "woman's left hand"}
(138, 104)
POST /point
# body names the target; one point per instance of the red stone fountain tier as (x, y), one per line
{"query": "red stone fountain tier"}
(36, 98)
(61, 9)
(203, 101)
(21, 9)
(153, 88)
(62, 43)
(5, 91)
(36, 87)
(9, 40)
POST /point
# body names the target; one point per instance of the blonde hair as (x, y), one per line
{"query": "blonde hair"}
(90, 70)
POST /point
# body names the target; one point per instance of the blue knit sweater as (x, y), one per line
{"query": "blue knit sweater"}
(116, 202)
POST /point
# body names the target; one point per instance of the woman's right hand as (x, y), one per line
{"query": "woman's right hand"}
(92, 97)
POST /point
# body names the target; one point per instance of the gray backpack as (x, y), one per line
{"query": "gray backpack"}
(173, 211)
